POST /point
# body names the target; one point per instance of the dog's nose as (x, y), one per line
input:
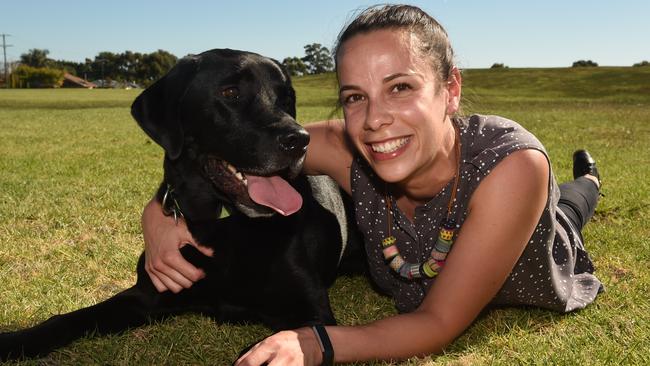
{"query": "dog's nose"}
(295, 141)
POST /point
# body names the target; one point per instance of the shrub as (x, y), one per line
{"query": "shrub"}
(584, 63)
(37, 77)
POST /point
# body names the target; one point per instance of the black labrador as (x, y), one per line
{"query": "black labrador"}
(226, 120)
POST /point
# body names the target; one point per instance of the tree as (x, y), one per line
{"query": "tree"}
(85, 70)
(294, 66)
(127, 67)
(68, 66)
(642, 63)
(37, 77)
(155, 65)
(498, 66)
(584, 63)
(106, 66)
(317, 59)
(35, 58)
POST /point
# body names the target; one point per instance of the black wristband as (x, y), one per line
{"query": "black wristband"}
(325, 344)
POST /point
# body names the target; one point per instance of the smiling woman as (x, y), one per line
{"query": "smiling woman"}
(436, 195)
(386, 83)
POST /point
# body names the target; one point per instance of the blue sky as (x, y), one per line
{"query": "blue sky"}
(550, 33)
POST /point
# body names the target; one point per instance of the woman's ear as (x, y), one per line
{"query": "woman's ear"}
(454, 86)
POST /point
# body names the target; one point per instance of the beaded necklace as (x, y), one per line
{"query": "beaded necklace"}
(436, 261)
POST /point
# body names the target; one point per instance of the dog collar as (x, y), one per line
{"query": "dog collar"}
(170, 206)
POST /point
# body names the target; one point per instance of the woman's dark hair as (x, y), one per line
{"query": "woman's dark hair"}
(434, 42)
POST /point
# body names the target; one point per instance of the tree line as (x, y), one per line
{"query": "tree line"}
(36, 69)
(579, 63)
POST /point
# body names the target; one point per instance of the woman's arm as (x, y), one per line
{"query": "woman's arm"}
(328, 152)
(504, 211)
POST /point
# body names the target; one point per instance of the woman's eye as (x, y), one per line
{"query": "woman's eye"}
(352, 98)
(400, 87)
(230, 92)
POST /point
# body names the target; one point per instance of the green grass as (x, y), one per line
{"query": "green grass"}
(76, 172)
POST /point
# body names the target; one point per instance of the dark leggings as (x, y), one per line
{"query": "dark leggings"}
(578, 200)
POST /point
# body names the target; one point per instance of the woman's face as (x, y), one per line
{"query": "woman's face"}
(396, 112)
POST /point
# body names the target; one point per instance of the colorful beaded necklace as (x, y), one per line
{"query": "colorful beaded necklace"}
(436, 261)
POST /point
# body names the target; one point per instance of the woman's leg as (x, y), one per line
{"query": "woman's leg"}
(578, 200)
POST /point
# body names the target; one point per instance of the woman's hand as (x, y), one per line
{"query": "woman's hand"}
(296, 347)
(163, 238)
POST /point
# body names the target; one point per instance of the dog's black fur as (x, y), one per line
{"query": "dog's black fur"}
(239, 107)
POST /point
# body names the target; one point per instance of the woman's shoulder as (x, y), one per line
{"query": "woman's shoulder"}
(488, 139)
(496, 133)
(490, 127)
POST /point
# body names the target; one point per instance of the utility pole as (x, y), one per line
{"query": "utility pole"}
(4, 52)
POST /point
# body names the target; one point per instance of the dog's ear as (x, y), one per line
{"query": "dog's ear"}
(292, 92)
(157, 108)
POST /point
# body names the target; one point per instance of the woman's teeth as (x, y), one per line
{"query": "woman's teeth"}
(389, 146)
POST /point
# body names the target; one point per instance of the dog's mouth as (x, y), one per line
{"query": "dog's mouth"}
(254, 195)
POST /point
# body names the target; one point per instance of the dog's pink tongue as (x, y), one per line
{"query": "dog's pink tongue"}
(274, 192)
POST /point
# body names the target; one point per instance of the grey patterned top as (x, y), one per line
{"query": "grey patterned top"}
(554, 270)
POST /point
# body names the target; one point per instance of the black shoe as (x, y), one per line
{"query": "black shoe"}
(584, 164)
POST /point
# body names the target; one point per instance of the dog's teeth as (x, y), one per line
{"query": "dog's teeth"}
(239, 175)
(245, 182)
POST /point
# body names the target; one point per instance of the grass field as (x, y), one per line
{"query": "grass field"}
(75, 172)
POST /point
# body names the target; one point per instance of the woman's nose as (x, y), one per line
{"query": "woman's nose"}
(377, 116)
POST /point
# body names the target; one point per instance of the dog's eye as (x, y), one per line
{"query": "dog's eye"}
(230, 92)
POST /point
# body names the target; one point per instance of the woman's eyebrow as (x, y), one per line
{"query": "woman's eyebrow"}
(401, 74)
(395, 76)
(384, 80)
(348, 87)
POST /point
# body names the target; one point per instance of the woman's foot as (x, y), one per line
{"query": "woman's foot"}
(585, 166)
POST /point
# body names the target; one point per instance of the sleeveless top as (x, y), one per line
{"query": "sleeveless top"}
(554, 271)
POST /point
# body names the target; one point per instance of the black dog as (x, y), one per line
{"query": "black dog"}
(226, 120)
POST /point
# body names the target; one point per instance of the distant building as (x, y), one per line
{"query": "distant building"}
(114, 84)
(71, 81)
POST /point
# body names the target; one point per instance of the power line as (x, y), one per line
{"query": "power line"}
(4, 53)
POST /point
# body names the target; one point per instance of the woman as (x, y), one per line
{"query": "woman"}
(457, 213)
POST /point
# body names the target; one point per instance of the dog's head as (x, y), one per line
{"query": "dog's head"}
(232, 114)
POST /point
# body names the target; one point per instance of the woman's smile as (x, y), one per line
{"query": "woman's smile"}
(388, 149)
